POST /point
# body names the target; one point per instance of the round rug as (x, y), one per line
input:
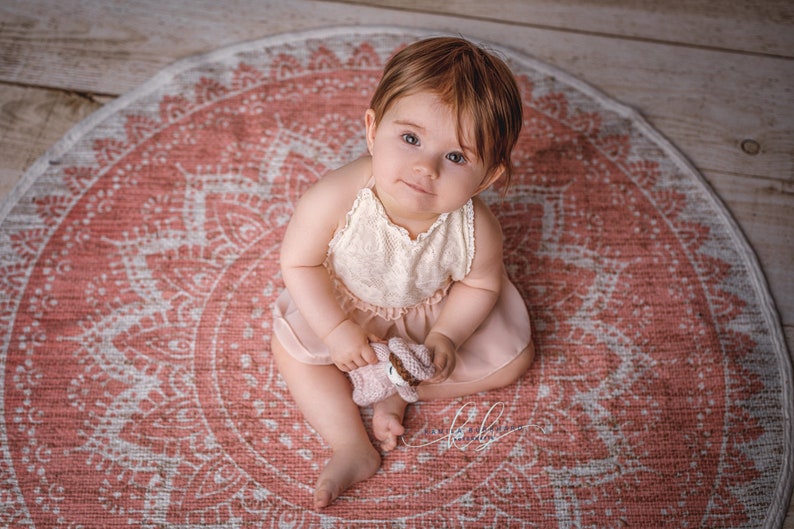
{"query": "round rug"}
(139, 263)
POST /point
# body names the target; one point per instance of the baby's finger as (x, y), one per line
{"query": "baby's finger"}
(441, 362)
(440, 376)
(369, 356)
(357, 362)
(348, 366)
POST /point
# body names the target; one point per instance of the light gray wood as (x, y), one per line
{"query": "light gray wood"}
(713, 77)
(751, 27)
(31, 121)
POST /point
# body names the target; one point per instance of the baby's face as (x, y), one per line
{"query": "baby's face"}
(421, 168)
(394, 376)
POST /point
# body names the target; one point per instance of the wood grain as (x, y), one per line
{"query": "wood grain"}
(715, 78)
(758, 27)
(31, 121)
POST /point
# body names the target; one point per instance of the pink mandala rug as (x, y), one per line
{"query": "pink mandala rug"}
(138, 266)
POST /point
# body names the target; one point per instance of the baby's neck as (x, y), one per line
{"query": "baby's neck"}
(415, 226)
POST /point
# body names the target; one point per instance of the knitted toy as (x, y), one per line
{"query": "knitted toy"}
(401, 366)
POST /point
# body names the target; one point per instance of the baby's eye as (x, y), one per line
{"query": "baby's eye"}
(410, 139)
(456, 157)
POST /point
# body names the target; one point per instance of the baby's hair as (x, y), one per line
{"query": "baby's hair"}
(476, 84)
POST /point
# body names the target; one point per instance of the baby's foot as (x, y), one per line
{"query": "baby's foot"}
(347, 466)
(387, 421)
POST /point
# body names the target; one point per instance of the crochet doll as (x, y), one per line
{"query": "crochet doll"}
(401, 367)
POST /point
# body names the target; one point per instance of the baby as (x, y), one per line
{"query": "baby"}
(398, 244)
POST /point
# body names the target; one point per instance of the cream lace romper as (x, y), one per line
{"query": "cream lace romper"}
(393, 285)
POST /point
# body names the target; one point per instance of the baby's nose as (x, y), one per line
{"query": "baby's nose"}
(426, 166)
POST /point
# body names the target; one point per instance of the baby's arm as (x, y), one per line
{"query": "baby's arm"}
(303, 252)
(471, 299)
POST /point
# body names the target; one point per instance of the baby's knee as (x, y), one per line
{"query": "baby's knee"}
(527, 357)
(516, 369)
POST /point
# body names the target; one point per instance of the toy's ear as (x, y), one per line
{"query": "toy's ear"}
(382, 351)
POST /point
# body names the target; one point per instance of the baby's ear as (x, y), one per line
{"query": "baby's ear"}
(492, 176)
(369, 123)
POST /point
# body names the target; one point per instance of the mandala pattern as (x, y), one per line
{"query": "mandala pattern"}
(139, 268)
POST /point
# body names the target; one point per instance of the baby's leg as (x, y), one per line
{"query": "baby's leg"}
(323, 394)
(501, 378)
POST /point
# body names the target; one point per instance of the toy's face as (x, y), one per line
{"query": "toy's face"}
(394, 376)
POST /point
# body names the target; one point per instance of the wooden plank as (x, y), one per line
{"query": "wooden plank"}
(758, 27)
(31, 121)
(147, 34)
(788, 523)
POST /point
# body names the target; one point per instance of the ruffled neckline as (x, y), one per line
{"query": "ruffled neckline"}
(396, 227)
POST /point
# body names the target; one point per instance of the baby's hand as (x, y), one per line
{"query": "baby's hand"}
(349, 347)
(444, 358)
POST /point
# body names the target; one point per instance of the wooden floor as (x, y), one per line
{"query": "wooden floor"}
(715, 77)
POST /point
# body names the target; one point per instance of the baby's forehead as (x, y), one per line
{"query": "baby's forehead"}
(412, 108)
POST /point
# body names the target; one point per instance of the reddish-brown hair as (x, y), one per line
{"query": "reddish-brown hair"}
(477, 85)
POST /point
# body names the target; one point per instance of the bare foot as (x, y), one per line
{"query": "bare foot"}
(347, 466)
(387, 421)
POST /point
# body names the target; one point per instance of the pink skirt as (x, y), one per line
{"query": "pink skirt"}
(504, 334)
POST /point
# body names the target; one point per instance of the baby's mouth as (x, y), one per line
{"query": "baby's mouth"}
(416, 187)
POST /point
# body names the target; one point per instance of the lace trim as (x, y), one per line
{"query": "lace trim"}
(367, 194)
(468, 210)
(347, 300)
(399, 229)
(335, 239)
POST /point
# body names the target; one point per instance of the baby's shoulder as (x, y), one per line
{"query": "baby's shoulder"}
(485, 222)
(346, 180)
(336, 191)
